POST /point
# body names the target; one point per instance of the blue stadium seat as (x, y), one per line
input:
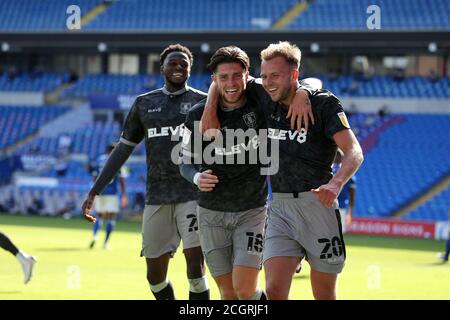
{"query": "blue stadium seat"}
(342, 86)
(42, 82)
(173, 15)
(42, 15)
(409, 158)
(18, 122)
(183, 15)
(435, 209)
(395, 15)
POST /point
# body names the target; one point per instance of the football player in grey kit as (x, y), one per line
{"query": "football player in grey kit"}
(303, 218)
(170, 211)
(231, 208)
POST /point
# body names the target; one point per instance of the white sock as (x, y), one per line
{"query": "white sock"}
(198, 285)
(21, 256)
(160, 286)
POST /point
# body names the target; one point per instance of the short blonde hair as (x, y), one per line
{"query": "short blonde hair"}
(290, 52)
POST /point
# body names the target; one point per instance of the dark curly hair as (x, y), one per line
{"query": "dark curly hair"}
(227, 55)
(175, 48)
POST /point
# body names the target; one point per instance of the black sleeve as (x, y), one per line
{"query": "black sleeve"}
(188, 156)
(334, 117)
(115, 161)
(256, 91)
(133, 131)
(188, 171)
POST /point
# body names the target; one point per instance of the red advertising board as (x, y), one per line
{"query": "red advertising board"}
(391, 227)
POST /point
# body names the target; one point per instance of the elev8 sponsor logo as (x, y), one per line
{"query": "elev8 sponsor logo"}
(277, 134)
(175, 132)
(253, 143)
(232, 146)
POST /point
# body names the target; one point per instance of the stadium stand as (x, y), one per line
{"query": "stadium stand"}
(184, 15)
(436, 209)
(396, 15)
(90, 139)
(110, 84)
(381, 191)
(387, 86)
(126, 84)
(172, 15)
(18, 122)
(69, 190)
(43, 15)
(405, 154)
(409, 158)
(37, 81)
(343, 86)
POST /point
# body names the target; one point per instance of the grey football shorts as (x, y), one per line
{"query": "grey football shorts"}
(303, 227)
(164, 226)
(231, 239)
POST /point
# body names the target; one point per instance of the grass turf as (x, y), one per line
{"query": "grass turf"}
(376, 267)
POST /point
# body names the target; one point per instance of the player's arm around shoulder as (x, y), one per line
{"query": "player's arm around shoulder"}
(300, 110)
(209, 123)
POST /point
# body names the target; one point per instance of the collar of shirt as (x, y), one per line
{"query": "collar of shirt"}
(228, 109)
(176, 93)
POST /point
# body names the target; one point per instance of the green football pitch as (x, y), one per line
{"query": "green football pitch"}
(376, 267)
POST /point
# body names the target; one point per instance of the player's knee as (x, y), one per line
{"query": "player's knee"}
(155, 277)
(271, 292)
(244, 292)
(195, 269)
(324, 293)
(323, 286)
(275, 291)
(245, 288)
(324, 290)
(194, 260)
(228, 294)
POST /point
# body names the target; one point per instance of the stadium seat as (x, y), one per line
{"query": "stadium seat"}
(18, 122)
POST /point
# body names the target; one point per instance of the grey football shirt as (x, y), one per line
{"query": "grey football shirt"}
(305, 158)
(158, 117)
(241, 185)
